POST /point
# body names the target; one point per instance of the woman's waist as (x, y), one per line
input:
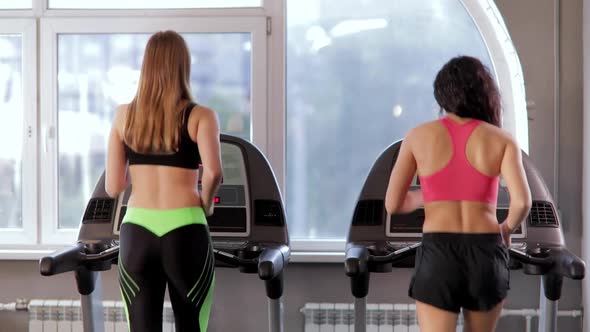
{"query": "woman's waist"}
(165, 182)
(163, 200)
(462, 238)
(473, 224)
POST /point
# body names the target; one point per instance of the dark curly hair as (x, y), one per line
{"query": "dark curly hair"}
(465, 87)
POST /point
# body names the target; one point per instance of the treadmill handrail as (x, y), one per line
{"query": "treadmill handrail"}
(528, 259)
(272, 262)
(358, 258)
(396, 255)
(72, 258)
(108, 254)
(559, 261)
(62, 261)
(356, 261)
(233, 259)
(572, 266)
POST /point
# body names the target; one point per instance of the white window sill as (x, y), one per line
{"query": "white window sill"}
(317, 257)
(24, 254)
(296, 256)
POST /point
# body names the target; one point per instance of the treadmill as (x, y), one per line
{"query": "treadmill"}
(377, 243)
(248, 230)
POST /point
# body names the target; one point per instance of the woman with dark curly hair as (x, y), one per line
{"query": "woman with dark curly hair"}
(463, 260)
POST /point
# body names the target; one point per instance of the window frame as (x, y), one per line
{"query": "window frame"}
(507, 67)
(27, 28)
(47, 5)
(19, 10)
(42, 7)
(269, 127)
(50, 29)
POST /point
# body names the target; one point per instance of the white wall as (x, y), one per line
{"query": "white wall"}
(586, 163)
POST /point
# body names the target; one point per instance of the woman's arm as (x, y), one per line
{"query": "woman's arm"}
(116, 163)
(210, 150)
(397, 198)
(513, 173)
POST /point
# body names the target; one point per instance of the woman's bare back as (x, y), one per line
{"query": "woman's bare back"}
(433, 149)
(165, 187)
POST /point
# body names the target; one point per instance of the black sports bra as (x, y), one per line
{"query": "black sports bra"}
(187, 155)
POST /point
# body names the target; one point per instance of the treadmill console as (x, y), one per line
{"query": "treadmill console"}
(232, 209)
(248, 205)
(371, 224)
(99, 210)
(402, 225)
(410, 225)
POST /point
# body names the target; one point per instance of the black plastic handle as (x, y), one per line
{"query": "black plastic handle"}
(107, 255)
(62, 261)
(528, 259)
(397, 255)
(233, 259)
(570, 265)
(356, 261)
(270, 263)
(558, 261)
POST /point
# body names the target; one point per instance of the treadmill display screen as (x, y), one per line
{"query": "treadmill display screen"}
(407, 223)
(232, 209)
(228, 220)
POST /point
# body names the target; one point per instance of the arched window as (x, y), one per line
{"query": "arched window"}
(359, 76)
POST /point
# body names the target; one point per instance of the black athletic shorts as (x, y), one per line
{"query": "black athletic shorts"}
(457, 270)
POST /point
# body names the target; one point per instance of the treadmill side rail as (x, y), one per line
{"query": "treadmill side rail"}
(62, 261)
(272, 262)
(357, 268)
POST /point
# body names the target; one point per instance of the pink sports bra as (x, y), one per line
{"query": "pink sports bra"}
(459, 180)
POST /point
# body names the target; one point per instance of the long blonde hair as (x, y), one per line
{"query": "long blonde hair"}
(155, 113)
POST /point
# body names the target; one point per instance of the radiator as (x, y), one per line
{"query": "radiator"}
(339, 317)
(66, 315)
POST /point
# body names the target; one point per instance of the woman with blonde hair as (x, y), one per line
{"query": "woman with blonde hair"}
(157, 143)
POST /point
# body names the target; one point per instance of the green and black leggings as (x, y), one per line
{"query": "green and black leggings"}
(166, 247)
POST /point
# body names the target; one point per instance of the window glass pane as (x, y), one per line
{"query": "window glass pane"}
(11, 131)
(152, 4)
(16, 4)
(359, 75)
(97, 72)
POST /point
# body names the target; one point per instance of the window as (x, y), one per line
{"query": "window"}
(151, 4)
(358, 77)
(99, 70)
(11, 127)
(17, 152)
(16, 4)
